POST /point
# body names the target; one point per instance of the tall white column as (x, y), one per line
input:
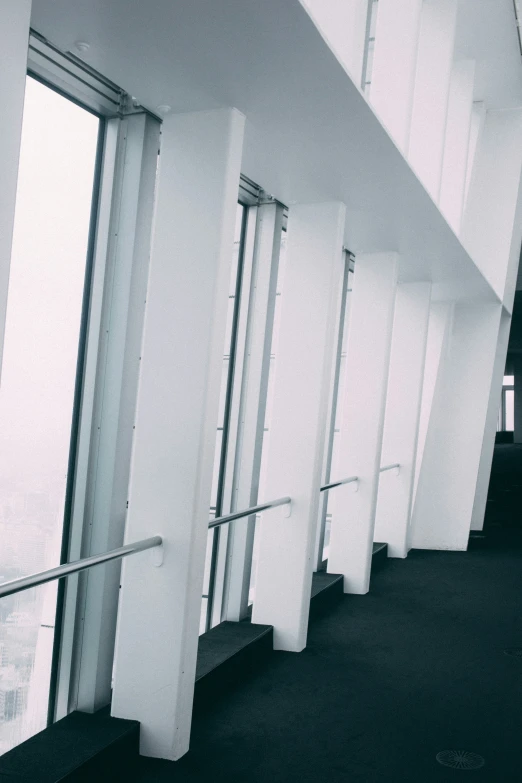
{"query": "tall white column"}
(394, 65)
(367, 361)
(488, 441)
(176, 419)
(305, 353)
(456, 145)
(440, 327)
(450, 467)
(401, 422)
(432, 83)
(15, 18)
(492, 223)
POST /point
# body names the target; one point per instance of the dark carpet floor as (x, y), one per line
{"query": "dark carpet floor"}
(387, 681)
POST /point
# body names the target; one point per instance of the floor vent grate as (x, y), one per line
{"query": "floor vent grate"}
(460, 759)
(515, 652)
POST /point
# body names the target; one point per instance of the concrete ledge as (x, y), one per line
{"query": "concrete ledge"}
(80, 748)
(227, 654)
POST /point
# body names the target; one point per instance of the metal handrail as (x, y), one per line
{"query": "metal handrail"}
(348, 480)
(248, 512)
(390, 467)
(34, 580)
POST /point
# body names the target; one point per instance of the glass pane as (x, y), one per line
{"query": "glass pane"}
(509, 380)
(48, 265)
(510, 409)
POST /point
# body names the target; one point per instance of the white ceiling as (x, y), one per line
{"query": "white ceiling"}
(310, 133)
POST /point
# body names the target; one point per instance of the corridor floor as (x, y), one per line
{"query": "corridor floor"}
(387, 681)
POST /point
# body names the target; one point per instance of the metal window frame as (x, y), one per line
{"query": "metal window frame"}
(252, 404)
(112, 319)
(220, 535)
(230, 564)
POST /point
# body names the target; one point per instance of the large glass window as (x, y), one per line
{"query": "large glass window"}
(39, 387)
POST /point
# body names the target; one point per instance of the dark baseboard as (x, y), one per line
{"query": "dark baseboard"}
(379, 556)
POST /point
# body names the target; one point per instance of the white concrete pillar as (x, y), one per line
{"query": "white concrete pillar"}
(401, 422)
(488, 441)
(305, 353)
(456, 145)
(478, 116)
(492, 223)
(440, 327)
(394, 65)
(450, 467)
(343, 26)
(176, 418)
(15, 16)
(367, 363)
(432, 83)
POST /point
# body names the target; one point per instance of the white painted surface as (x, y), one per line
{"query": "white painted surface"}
(176, 418)
(432, 83)
(448, 477)
(343, 26)
(394, 66)
(119, 351)
(456, 145)
(478, 116)
(305, 354)
(303, 143)
(14, 37)
(440, 326)
(401, 422)
(489, 219)
(488, 442)
(367, 362)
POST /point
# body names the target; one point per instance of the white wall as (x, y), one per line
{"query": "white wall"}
(394, 65)
(343, 26)
(490, 231)
(432, 84)
(450, 465)
(456, 145)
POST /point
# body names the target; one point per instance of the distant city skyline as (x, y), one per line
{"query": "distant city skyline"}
(55, 185)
